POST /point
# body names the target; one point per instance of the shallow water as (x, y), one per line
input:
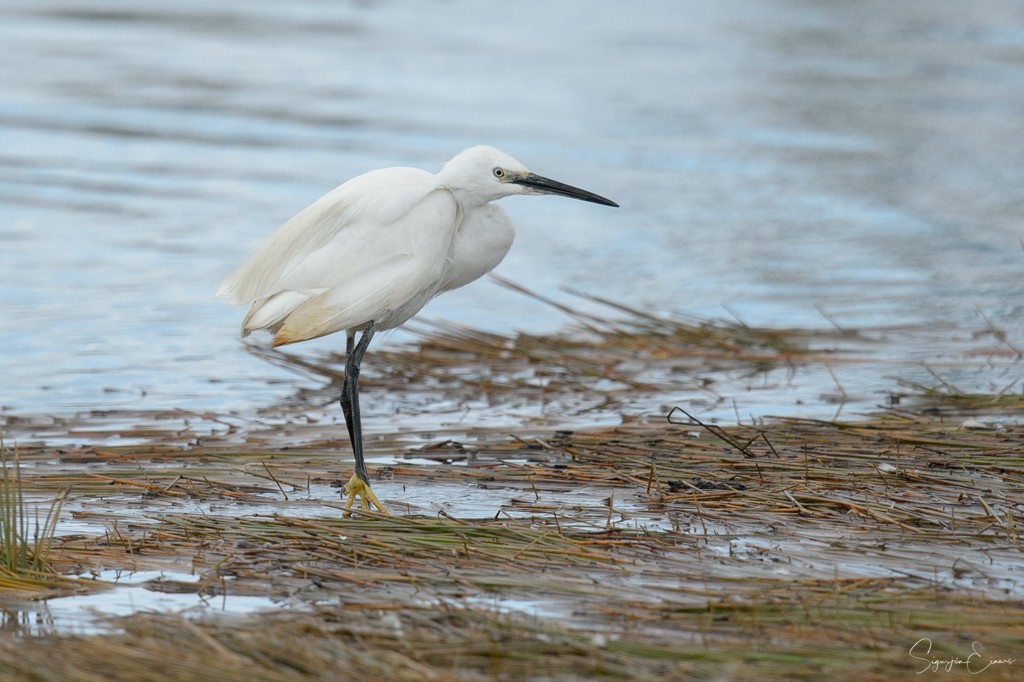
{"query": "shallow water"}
(731, 555)
(781, 161)
(141, 591)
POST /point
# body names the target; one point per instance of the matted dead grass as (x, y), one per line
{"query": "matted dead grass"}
(659, 548)
(793, 549)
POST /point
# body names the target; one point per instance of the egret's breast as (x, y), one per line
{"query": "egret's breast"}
(481, 242)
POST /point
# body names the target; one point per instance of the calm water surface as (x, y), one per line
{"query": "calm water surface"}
(782, 160)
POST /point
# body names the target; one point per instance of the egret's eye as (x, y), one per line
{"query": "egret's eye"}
(499, 173)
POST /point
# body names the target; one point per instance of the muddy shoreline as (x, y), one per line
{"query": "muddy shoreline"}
(663, 546)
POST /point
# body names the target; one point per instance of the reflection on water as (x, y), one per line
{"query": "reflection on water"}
(789, 161)
(142, 591)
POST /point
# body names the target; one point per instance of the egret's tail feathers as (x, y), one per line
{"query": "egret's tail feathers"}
(325, 314)
(227, 290)
(282, 340)
(271, 312)
(388, 293)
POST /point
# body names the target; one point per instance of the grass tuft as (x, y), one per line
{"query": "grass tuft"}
(25, 541)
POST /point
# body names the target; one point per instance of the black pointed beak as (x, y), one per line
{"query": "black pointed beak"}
(540, 185)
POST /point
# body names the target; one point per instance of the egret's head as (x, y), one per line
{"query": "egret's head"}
(482, 174)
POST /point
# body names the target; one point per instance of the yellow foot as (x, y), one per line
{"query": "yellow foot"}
(367, 499)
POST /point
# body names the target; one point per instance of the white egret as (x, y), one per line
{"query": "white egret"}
(370, 254)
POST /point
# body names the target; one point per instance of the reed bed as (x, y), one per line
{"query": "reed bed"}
(418, 642)
(671, 549)
(667, 547)
(608, 364)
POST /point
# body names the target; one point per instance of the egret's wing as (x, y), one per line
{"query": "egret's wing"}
(343, 232)
(370, 295)
(373, 249)
(392, 285)
(269, 312)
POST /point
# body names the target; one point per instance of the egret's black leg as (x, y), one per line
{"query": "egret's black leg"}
(346, 397)
(350, 396)
(359, 485)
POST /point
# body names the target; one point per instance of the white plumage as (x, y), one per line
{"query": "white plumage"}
(374, 248)
(372, 252)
